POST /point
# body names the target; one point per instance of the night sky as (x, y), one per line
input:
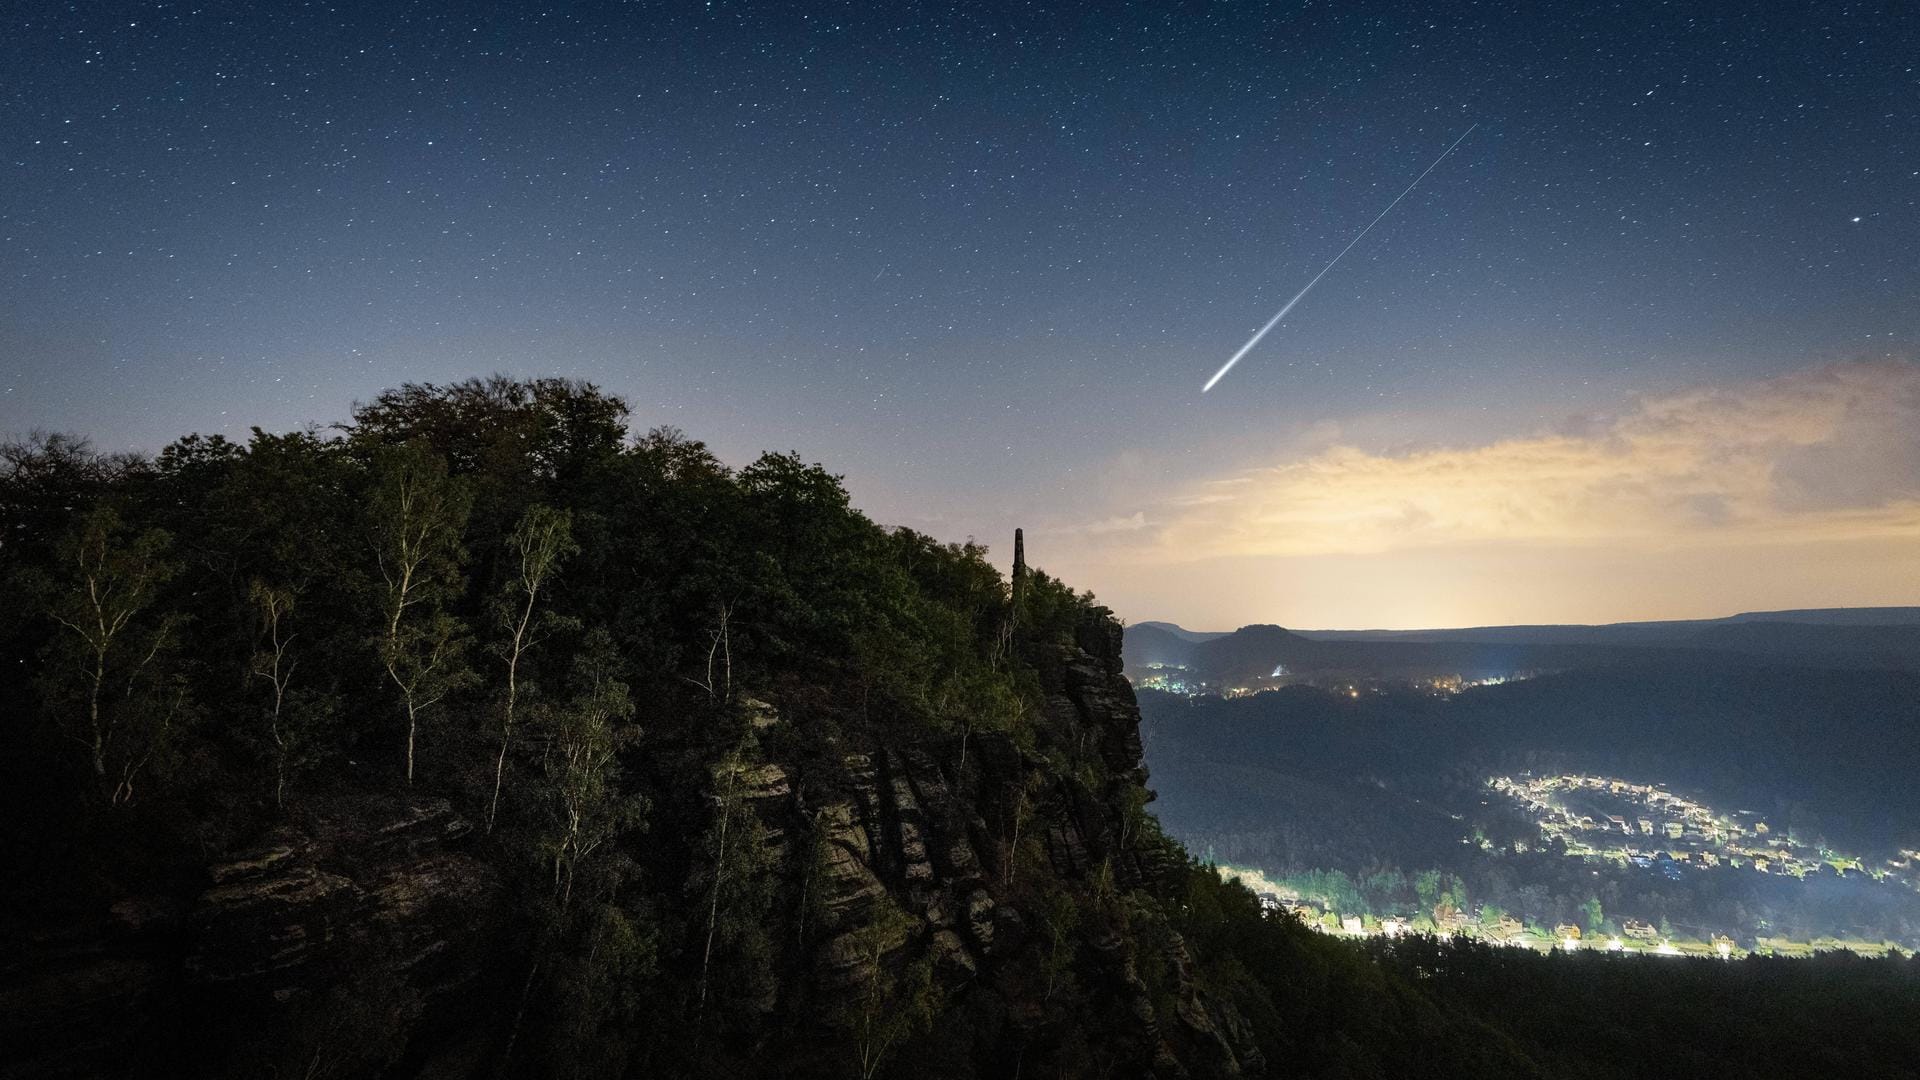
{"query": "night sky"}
(1642, 346)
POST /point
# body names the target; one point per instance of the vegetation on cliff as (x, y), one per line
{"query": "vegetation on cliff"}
(478, 737)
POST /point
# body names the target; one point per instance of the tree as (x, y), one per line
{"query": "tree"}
(597, 991)
(43, 478)
(719, 687)
(582, 768)
(1021, 809)
(734, 883)
(426, 660)
(511, 429)
(1591, 916)
(512, 442)
(416, 515)
(543, 537)
(729, 782)
(1135, 821)
(282, 514)
(1384, 889)
(115, 672)
(294, 718)
(273, 664)
(1426, 887)
(894, 998)
(587, 811)
(815, 557)
(1059, 917)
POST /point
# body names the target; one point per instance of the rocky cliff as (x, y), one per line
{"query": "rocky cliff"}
(985, 874)
(980, 849)
(371, 905)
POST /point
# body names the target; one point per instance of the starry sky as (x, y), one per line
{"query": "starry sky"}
(1643, 346)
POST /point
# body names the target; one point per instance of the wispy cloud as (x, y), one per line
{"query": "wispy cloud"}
(1122, 523)
(1830, 453)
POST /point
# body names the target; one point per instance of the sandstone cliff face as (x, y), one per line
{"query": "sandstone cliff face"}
(960, 854)
(378, 901)
(952, 845)
(286, 918)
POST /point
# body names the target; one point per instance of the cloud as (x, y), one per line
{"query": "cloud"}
(1824, 454)
(1133, 522)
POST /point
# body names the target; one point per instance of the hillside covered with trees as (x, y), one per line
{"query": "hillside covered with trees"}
(479, 736)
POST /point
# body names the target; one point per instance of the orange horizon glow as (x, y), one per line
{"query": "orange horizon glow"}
(1798, 491)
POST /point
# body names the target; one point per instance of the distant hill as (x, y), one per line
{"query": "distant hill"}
(1827, 637)
(1839, 616)
(1157, 644)
(1666, 630)
(1831, 644)
(1182, 632)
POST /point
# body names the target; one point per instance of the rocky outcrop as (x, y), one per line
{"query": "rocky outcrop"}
(895, 835)
(996, 866)
(282, 918)
(908, 826)
(368, 895)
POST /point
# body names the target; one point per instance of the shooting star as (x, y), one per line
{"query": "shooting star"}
(1271, 323)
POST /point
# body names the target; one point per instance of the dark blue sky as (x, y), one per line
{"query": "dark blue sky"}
(979, 258)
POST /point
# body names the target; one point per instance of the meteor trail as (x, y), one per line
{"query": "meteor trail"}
(1255, 339)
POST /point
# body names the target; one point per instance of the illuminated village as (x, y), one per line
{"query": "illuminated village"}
(1601, 817)
(1179, 679)
(1607, 819)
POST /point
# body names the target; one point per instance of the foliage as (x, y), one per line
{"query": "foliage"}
(541, 540)
(655, 677)
(294, 718)
(893, 995)
(584, 737)
(110, 680)
(416, 513)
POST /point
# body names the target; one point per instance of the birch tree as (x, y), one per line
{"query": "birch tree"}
(894, 997)
(416, 516)
(114, 694)
(728, 785)
(587, 812)
(735, 883)
(273, 664)
(540, 541)
(718, 682)
(293, 718)
(583, 770)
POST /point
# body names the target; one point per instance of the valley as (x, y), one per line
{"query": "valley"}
(1695, 800)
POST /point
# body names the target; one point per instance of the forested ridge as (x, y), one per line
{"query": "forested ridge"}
(482, 736)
